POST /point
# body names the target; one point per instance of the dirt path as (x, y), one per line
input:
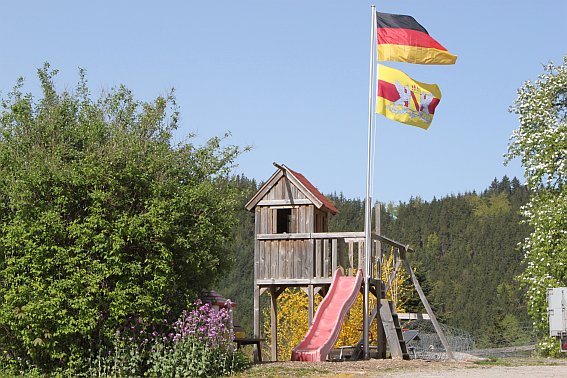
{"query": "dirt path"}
(487, 372)
(523, 368)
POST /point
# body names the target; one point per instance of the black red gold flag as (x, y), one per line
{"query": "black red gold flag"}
(402, 39)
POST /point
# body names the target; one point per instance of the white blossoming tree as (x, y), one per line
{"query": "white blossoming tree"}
(541, 143)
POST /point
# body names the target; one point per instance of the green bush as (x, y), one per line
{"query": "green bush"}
(193, 358)
(102, 218)
(199, 344)
(548, 347)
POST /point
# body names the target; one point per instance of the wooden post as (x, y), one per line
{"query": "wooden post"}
(257, 311)
(380, 294)
(310, 291)
(311, 295)
(333, 256)
(274, 322)
(326, 259)
(257, 243)
(318, 258)
(361, 257)
(350, 258)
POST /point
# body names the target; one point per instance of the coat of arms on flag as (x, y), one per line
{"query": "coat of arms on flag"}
(402, 99)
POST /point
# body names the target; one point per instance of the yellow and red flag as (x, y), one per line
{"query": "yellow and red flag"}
(402, 39)
(402, 99)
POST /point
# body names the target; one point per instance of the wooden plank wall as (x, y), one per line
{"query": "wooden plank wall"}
(308, 258)
(296, 258)
(284, 190)
(285, 259)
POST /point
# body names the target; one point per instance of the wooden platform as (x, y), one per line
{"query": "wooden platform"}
(251, 341)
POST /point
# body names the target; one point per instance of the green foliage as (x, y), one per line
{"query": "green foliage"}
(466, 252)
(101, 218)
(492, 206)
(548, 347)
(512, 331)
(349, 217)
(240, 279)
(541, 143)
(198, 344)
(192, 358)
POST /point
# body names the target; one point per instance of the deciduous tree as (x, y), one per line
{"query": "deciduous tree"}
(102, 218)
(540, 141)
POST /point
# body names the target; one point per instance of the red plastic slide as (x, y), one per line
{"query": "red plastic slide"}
(329, 318)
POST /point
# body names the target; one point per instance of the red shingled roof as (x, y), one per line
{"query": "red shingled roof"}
(215, 298)
(326, 202)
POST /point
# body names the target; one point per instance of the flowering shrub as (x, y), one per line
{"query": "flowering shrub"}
(205, 325)
(540, 141)
(548, 347)
(198, 344)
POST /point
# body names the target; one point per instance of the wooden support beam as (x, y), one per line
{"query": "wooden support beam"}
(380, 291)
(391, 242)
(326, 259)
(284, 202)
(274, 322)
(390, 329)
(257, 312)
(318, 258)
(334, 256)
(310, 291)
(412, 316)
(355, 236)
(350, 258)
(381, 335)
(393, 275)
(311, 308)
(311, 235)
(294, 281)
(361, 257)
(425, 302)
(280, 290)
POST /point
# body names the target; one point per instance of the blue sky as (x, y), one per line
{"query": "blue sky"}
(290, 79)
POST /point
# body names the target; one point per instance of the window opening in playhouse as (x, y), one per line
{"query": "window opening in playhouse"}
(284, 221)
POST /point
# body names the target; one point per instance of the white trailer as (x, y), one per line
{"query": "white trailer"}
(557, 314)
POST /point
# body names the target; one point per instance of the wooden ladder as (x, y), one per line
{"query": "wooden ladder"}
(393, 330)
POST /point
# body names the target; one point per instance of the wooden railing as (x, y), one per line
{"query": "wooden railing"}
(314, 256)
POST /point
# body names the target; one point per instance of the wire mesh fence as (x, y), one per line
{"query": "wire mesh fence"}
(427, 345)
(464, 345)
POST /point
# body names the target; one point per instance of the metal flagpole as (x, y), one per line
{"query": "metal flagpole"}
(368, 204)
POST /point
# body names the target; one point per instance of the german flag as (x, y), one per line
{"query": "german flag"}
(402, 39)
(402, 99)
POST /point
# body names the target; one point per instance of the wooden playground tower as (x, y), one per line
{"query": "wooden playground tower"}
(293, 248)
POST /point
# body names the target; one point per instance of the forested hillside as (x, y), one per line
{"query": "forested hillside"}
(466, 255)
(466, 250)
(239, 283)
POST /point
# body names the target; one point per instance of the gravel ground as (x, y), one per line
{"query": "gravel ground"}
(526, 368)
